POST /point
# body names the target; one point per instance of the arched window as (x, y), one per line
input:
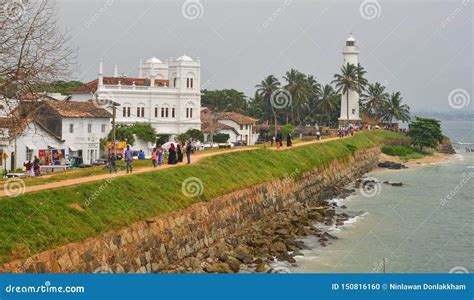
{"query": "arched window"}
(190, 80)
(126, 110)
(189, 109)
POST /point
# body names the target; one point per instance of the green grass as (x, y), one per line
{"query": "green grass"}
(35, 222)
(404, 152)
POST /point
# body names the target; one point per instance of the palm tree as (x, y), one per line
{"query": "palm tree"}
(373, 99)
(300, 90)
(265, 89)
(327, 103)
(346, 81)
(361, 80)
(393, 108)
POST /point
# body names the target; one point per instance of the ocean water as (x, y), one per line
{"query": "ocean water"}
(415, 228)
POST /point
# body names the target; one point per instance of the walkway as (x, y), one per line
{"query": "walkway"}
(195, 158)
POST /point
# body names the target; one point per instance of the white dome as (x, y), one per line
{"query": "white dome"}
(184, 58)
(154, 60)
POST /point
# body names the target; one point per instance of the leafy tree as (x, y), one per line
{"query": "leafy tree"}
(221, 137)
(425, 132)
(182, 138)
(300, 90)
(286, 129)
(195, 135)
(224, 100)
(142, 131)
(393, 108)
(162, 138)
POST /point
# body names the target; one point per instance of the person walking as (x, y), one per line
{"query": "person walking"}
(29, 168)
(129, 159)
(172, 155)
(272, 141)
(188, 152)
(154, 157)
(180, 153)
(288, 140)
(279, 138)
(160, 153)
(318, 135)
(36, 166)
(112, 163)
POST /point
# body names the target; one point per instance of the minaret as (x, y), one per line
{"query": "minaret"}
(101, 73)
(350, 109)
(116, 71)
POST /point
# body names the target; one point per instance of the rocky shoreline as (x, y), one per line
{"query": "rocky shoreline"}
(276, 238)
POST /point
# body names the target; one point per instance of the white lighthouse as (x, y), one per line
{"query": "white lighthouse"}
(350, 109)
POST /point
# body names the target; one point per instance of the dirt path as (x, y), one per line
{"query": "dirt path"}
(194, 159)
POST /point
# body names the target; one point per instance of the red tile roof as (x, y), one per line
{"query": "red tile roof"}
(91, 86)
(77, 109)
(236, 117)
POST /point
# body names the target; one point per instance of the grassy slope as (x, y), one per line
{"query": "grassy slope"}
(35, 222)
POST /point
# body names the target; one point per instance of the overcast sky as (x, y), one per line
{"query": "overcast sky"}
(421, 48)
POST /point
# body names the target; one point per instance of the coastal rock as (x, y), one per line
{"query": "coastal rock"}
(391, 165)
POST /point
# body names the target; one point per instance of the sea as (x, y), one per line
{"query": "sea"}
(424, 226)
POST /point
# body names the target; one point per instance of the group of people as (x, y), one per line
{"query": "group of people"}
(175, 155)
(348, 130)
(278, 139)
(32, 168)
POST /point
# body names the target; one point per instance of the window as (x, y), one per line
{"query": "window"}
(143, 112)
(166, 112)
(1, 157)
(187, 82)
(173, 112)
(128, 111)
(103, 128)
(71, 128)
(138, 111)
(89, 128)
(246, 127)
(353, 111)
(124, 111)
(156, 112)
(190, 113)
(187, 112)
(29, 154)
(174, 82)
(191, 85)
(162, 112)
(241, 127)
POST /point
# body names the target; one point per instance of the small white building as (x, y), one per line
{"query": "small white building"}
(238, 126)
(23, 139)
(80, 125)
(165, 94)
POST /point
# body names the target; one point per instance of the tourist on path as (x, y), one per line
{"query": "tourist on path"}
(172, 155)
(129, 159)
(36, 166)
(160, 152)
(29, 168)
(318, 135)
(272, 141)
(112, 163)
(154, 157)
(288, 140)
(180, 153)
(279, 138)
(188, 152)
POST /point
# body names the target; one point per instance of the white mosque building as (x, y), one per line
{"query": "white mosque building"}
(165, 94)
(350, 109)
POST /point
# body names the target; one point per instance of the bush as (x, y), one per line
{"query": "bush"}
(221, 138)
(401, 151)
(195, 135)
